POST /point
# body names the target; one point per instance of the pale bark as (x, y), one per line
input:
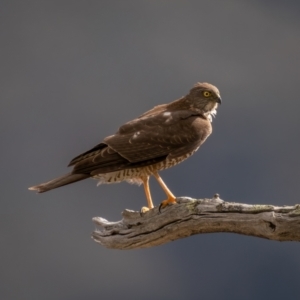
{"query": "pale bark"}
(191, 216)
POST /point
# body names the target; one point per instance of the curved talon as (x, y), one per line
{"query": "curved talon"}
(165, 203)
(160, 206)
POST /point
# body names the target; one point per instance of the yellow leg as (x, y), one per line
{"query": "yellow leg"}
(171, 198)
(148, 194)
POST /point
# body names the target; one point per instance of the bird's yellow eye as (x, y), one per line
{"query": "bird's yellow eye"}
(206, 94)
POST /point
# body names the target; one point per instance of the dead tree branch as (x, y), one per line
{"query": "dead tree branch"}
(191, 216)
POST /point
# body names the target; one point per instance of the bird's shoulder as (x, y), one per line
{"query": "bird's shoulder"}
(159, 135)
(160, 117)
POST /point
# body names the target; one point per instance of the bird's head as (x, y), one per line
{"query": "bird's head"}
(204, 97)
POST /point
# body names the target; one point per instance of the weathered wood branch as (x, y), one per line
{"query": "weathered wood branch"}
(191, 216)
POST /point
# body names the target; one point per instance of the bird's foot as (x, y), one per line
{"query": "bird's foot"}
(166, 203)
(144, 209)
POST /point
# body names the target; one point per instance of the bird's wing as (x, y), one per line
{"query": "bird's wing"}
(144, 141)
(100, 157)
(106, 160)
(172, 134)
(94, 151)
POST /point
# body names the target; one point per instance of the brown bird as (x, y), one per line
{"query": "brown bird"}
(158, 139)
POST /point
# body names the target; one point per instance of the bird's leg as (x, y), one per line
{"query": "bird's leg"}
(148, 194)
(171, 198)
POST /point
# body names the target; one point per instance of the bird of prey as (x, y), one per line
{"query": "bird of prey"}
(158, 139)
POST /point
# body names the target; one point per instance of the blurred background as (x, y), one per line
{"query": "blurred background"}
(72, 72)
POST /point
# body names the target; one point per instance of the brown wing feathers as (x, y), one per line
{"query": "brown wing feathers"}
(144, 141)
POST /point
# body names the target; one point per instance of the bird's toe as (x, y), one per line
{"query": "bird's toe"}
(167, 202)
(144, 209)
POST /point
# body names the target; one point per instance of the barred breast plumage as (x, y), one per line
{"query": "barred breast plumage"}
(134, 175)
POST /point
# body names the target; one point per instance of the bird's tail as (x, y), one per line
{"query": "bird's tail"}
(57, 182)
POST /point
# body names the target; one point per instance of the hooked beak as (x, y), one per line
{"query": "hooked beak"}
(219, 100)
